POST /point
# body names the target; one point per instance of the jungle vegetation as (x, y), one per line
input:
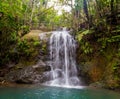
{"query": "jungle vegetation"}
(95, 25)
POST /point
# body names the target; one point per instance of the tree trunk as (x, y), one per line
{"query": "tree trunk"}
(85, 8)
(113, 14)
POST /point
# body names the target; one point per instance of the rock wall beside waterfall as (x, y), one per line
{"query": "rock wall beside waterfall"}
(98, 64)
(29, 74)
(32, 62)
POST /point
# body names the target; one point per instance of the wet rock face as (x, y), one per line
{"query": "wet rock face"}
(44, 45)
(30, 74)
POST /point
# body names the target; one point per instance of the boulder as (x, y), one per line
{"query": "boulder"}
(30, 74)
(97, 84)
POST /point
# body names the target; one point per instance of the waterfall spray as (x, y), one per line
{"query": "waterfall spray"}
(62, 56)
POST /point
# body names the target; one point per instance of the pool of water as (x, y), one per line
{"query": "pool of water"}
(45, 92)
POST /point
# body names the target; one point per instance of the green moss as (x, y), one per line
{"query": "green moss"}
(44, 46)
(36, 43)
(24, 63)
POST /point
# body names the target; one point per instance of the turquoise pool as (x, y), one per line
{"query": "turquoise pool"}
(45, 92)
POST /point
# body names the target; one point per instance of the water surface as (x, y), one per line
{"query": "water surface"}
(42, 92)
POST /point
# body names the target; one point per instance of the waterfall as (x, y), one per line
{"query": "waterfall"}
(62, 60)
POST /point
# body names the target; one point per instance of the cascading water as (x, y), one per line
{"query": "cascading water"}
(62, 55)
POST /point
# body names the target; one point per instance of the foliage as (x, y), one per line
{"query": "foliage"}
(86, 48)
(17, 17)
(23, 47)
(25, 29)
(101, 17)
(36, 43)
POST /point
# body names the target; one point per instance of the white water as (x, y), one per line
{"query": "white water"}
(63, 65)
